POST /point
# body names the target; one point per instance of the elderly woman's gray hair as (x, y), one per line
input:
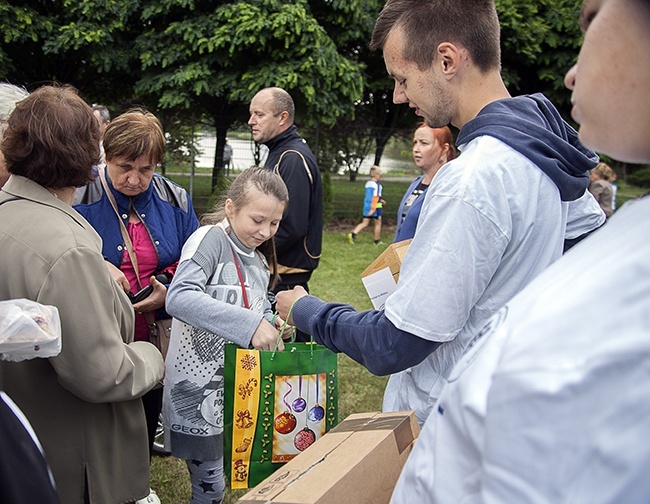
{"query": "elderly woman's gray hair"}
(10, 95)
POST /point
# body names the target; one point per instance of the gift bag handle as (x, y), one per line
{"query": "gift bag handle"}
(284, 326)
(247, 306)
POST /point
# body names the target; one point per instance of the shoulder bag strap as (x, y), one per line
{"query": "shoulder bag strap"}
(125, 235)
(236, 260)
(311, 181)
(304, 162)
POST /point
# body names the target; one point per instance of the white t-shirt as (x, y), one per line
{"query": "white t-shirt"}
(490, 223)
(551, 402)
(585, 215)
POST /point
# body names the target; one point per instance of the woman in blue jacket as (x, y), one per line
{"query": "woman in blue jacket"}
(432, 148)
(157, 215)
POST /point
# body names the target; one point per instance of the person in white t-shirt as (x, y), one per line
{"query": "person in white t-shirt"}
(492, 219)
(550, 403)
(585, 216)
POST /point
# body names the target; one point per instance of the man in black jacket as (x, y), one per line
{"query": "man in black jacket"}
(299, 237)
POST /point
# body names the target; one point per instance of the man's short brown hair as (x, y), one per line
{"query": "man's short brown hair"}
(472, 24)
(282, 102)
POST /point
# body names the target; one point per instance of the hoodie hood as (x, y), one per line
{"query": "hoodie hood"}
(532, 126)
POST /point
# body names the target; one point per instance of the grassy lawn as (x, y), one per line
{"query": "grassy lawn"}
(348, 196)
(626, 192)
(336, 279)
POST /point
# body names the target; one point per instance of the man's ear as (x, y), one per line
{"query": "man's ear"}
(284, 118)
(449, 58)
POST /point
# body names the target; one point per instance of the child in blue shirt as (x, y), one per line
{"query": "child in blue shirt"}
(372, 206)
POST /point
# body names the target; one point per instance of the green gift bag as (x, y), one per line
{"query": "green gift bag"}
(276, 405)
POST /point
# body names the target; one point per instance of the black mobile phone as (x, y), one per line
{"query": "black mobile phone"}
(146, 291)
(141, 294)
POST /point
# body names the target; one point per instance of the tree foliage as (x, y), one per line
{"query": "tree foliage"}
(215, 58)
(205, 59)
(231, 51)
(540, 41)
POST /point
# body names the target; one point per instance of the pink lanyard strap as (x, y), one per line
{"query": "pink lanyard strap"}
(241, 279)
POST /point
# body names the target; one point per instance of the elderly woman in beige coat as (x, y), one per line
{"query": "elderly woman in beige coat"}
(83, 404)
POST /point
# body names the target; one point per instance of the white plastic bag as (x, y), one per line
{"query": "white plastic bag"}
(28, 330)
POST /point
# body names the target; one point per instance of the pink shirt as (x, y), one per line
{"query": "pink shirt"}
(147, 265)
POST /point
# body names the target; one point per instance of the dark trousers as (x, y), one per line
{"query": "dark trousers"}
(152, 402)
(24, 476)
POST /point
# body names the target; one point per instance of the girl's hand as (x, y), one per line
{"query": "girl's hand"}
(288, 333)
(266, 337)
(289, 330)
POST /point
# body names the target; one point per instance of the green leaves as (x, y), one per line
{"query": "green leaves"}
(539, 42)
(211, 56)
(241, 47)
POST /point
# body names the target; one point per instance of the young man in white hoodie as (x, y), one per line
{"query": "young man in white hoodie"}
(549, 403)
(492, 220)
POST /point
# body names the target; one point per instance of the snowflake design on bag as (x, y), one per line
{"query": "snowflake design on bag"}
(248, 362)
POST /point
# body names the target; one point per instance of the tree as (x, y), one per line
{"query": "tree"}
(375, 112)
(206, 58)
(215, 58)
(345, 145)
(88, 44)
(203, 57)
(387, 117)
(540, 41)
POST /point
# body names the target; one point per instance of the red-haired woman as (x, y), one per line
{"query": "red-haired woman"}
(432, 148)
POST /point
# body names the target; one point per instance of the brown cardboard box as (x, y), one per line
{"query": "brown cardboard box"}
(380, 278)
(390, 258)
(357, 462)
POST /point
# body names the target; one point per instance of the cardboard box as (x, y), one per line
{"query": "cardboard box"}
(358, 462)
(380, 278)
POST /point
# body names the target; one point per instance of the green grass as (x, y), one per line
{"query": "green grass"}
(336, 279)
(626, 192)
(348, 196)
